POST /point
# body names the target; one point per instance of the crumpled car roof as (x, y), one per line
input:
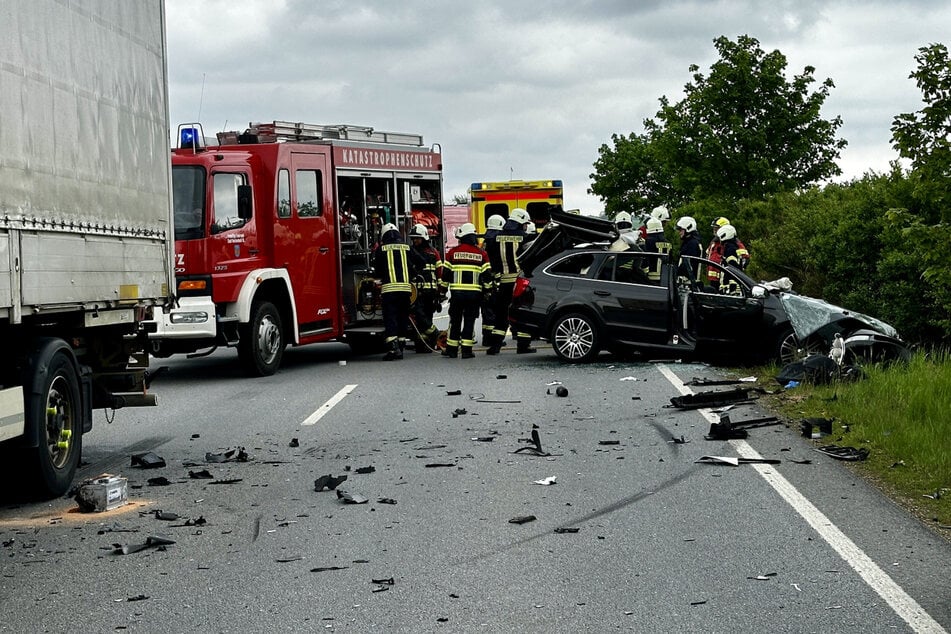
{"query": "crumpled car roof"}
(809, 316)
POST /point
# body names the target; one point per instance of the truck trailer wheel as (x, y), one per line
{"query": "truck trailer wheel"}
(261, 343)
(55, 411)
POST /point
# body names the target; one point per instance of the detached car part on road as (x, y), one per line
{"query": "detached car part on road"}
(584, 298)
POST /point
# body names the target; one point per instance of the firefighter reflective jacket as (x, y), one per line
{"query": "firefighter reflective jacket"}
(391, 263)
(466, 269)
(503, 251)
(425, 267)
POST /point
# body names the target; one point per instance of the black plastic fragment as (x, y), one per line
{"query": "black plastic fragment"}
(432, 465)
(710, 399)
(160, 481)
(294, 443)
(386, 501)
(327, 568)
(567, 529)
(453, 392)
(522, 519)
(148, 460)
(609, 442)
(204, 474)
(328, 482)
(351, 498)
(364, 470)
(152, 541)
(844, 453)
(561, 390)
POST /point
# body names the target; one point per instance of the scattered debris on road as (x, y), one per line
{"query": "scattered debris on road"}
(152, 541)
(522, 519)
(328, 482)
(850, 454)
(148, 460)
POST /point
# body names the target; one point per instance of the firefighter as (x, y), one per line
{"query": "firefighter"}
(493, 225)
(690, 245)
(714, 252)
(660, 213)
(656, 243)
(627, 237)
(503, 257)
(466, 274)
(391, 266)
(727, 284)
(425, 266)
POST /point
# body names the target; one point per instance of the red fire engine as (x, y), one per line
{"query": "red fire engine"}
(274, 231)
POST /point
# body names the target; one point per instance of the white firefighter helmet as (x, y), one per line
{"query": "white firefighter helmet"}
(687, 223)
(466, 229)
(654, 225)
(495, 221)
(520, 216)
(726, 232)
(419, 231)
(622, 221)
(661, 213)
(385, 229)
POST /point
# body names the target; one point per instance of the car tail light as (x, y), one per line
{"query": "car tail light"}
(521, 285)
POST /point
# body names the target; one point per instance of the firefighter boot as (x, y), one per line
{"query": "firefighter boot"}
(394, 353)
(450, 352)
(467, 352)
(524, 346)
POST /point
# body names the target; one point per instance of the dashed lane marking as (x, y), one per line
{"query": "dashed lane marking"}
(324, 409)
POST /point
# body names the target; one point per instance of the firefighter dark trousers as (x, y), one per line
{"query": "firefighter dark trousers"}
(463, 311)
(503, 300)
(395, 314)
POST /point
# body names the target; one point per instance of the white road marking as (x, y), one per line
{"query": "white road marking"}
(326, 407)
(899, 600)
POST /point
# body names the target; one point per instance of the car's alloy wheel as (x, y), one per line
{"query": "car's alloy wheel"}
(575, 338)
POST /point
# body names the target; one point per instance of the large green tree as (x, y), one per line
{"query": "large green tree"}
(924, 137)
(741, 132)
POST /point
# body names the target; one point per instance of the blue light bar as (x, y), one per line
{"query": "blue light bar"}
(190, 136)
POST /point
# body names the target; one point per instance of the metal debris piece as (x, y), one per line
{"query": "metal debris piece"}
(850, 454)
(198, 521)
(389, 581)
(380, 589)
(733, 461)
(166, 516)
(550, 480)
(678, 441)
(287, 560)
(522, 519)
(765, 577)
(351, 498)
(152, 541)
(148, 460)
(138, 597)
(710, 399)
(459, 411)
(237, 454)
(483, 438)
(327, 568)
(536, 450)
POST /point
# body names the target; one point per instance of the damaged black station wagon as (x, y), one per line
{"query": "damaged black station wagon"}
(583, 298)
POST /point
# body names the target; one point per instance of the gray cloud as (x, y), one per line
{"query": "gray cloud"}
(527, 89)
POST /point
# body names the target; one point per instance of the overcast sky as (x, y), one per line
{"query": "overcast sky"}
(524, 89)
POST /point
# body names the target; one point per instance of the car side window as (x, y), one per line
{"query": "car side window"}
(627, 268)
(574, 266)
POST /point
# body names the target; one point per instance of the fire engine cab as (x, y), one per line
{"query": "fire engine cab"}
(274, 231)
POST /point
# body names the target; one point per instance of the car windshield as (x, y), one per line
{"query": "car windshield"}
(809, 315)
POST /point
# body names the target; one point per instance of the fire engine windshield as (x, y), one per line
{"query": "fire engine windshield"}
(188, 200)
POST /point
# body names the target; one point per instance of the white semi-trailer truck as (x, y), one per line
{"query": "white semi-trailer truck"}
(85, 222)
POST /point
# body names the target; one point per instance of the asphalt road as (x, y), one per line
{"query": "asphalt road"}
(663, 543)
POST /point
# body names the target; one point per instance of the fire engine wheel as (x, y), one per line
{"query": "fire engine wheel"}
(575, 338)
(55, 411)
(261, 343)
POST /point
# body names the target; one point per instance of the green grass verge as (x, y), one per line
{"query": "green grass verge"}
(902, 415)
